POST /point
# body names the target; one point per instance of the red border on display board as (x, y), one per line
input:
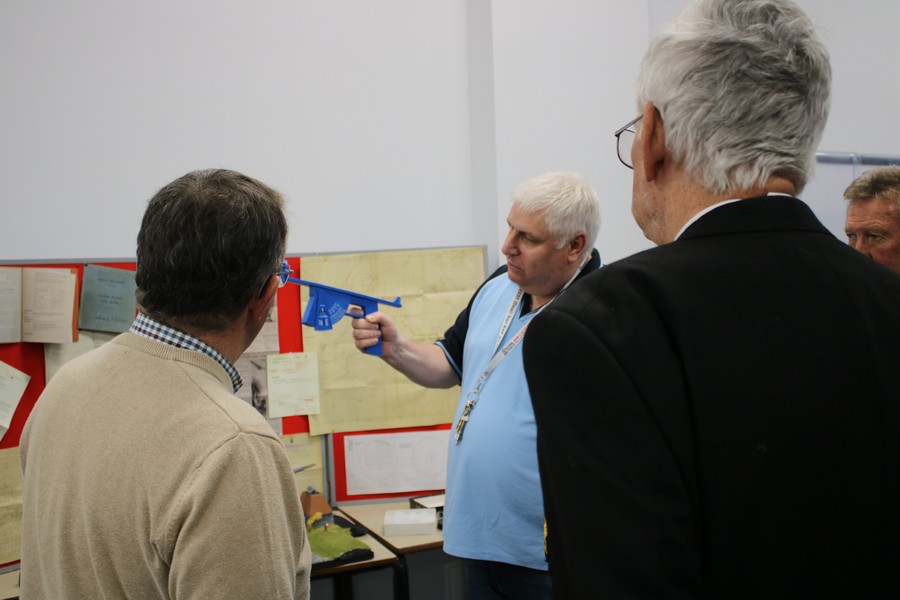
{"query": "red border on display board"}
(29, 357)
(340, 465)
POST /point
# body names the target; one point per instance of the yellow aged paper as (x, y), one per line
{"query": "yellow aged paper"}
(10, 506)
(293, 384)
(56, 355)
(306, 455)
(359, 391)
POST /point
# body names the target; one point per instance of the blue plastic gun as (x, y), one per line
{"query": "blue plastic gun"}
(328, 304)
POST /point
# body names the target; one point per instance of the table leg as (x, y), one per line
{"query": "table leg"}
(401, 579)
(343, 586)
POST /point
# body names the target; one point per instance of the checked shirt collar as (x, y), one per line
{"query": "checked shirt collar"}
(149, 328)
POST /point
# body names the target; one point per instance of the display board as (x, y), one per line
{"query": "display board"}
(360, 392)
(389, 463)
(434, 284)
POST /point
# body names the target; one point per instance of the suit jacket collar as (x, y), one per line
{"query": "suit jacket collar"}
(760, 213)
(592, 265)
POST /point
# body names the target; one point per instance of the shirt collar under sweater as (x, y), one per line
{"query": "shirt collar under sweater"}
(147, 327)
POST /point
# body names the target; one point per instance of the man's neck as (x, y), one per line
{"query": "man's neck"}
(228, 342)
(691, 199)
(533, 302)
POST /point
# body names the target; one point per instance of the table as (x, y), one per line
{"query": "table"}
(343, 574)
(371, 517)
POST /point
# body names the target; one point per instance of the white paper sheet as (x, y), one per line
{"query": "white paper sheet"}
(293, 382)
(12, 385)
(396, 462)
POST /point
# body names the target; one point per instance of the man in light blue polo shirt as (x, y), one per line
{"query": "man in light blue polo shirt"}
(493, 513)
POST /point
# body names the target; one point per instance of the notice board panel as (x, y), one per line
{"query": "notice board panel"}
(30, 359)
(401, 464)
(360, 392)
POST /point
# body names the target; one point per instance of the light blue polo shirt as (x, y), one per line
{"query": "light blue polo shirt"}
(493, 508)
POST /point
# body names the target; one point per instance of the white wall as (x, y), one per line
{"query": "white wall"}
(396, 124)
(565, 75)
(861, 37)
(356, 111)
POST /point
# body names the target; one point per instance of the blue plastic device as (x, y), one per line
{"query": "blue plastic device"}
(328, 304)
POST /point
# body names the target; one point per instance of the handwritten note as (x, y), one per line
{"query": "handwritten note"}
(10, 305)
(12, 385)
(56, 355)
(10, 505)
(293, 384)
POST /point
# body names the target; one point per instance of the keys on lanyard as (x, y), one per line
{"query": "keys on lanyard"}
(463, 419)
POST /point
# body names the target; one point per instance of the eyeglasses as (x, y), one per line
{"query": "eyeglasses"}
(285, 272)
(624, 141)
(283, 275)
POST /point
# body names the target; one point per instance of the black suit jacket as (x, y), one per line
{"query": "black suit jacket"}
(719, 417)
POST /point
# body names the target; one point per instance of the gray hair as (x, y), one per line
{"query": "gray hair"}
(880, 182)
(569, 204)
(743, 88)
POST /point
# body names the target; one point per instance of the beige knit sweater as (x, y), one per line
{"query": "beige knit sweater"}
(145, 477)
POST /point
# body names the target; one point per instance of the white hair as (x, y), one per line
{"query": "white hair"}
(743, 89)
(569, 204)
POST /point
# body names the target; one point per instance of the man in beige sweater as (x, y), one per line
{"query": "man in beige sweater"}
(144, 475)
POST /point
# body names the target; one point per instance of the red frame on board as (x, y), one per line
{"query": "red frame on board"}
(28, 357)
(340, 465)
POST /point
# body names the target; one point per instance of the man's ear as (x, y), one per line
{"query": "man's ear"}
(259, 306)
(652, 141)
(576, 246)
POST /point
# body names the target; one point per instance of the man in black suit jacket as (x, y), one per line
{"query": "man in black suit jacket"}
(719, 417)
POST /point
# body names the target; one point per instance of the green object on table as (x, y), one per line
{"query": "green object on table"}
(335, 543)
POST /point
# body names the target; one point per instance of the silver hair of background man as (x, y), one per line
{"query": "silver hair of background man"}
(743, 89)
